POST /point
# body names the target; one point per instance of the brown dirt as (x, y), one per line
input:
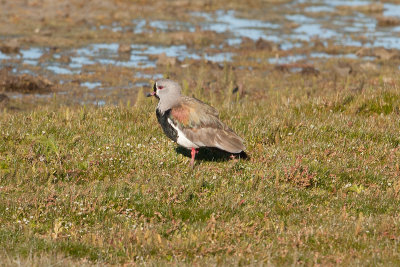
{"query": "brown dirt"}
(380, 52)
(10, 46)
(57, 27)
(4, 99)
(370, 8)
(387, 21)
(24, 83)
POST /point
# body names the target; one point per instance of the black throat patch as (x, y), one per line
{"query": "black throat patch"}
(167, 128)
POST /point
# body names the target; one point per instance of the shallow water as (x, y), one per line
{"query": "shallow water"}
(328, 21)
(91, 85)
(342, 30)
(332, 25)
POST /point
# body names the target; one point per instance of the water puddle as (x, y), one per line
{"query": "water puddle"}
(333, 25)
(60, 70)
(4, 56)
(317, 9)
(139, 57)
(291, 25)
(227, 21)
(343, 30)
(312, 58)
(148, 76)
(391, 10)
(31, 53)
(336, 3)
(99, 103)
(108, 54)
(91, 85)
(142, 84)
(39, 96)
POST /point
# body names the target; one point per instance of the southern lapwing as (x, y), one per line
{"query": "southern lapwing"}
(192, 123)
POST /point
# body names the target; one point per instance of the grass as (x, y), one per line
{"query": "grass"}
(85, 185)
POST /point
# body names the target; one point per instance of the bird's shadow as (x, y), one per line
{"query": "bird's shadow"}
(211, 154)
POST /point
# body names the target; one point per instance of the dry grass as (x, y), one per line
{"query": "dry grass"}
(104, 185)
(88, 185)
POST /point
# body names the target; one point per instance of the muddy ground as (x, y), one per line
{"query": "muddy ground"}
(104, 52)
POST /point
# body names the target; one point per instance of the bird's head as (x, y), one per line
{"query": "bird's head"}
(165, 89)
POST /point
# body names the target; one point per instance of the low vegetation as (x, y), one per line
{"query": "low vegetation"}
(86, 184)
(88, 178)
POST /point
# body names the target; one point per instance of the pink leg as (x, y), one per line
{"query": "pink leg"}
(193, 153)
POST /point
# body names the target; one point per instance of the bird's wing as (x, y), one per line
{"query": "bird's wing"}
(201, 125)
(192, 113)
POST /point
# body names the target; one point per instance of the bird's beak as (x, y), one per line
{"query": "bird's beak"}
(151, 94)
(154, 93)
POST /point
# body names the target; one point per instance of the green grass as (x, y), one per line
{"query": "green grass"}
(86, 185)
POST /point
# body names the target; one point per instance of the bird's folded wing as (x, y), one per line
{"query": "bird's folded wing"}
(224, 139)
(201, 125)
(192, 113)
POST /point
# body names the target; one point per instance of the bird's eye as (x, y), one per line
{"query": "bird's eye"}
(160, 87)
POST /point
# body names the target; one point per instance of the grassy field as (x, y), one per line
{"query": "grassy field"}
(83, 185)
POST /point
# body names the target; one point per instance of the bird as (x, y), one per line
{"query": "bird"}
(192, 123)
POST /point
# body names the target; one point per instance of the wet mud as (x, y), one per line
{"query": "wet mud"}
(25, 83)
(104, 52)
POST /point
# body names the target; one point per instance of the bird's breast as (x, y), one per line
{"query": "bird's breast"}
(169, 131)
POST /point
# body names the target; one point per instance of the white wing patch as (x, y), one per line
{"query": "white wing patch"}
(182, 140)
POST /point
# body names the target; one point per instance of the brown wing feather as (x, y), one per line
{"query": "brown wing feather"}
(180, 114)
(200, 123)
(224, 139)
(192, 113)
